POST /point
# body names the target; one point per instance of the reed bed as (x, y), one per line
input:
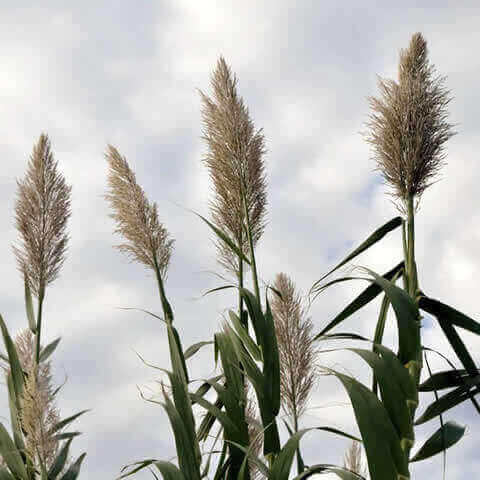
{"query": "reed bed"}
(246, 422)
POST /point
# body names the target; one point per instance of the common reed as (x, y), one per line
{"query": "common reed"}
(39, 446)
(296, 346)
(236, 167)
(408, 129)
(408, 126)
(42, 210)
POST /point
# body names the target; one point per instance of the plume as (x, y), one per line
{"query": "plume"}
(408, 125)
(353, 461)
(235, 164)
(42, 209)
(38, 412)
(296, 347)
(147, 240)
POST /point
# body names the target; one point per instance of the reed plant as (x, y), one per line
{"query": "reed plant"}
(39, 445)
(408, 129)
(256, 344)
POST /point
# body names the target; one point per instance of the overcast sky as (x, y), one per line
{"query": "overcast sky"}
(126, 73)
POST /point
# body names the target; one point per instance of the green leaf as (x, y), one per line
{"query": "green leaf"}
(5, 474)
(29, 307)
(74, 469)
(139, 466)
(365, 297)
(49, 349)
(371, 240)
(11, 455)
(225, 238)
(407, 314)
(67, 435)
(15, 366)
(247, 340)
(283, 463)
(446, 402)
(341, 472)
(393, 389)
(447, 317)
(60, 460)
(193, 349)
(385, 456)
(439, 309)
(169, 471)
(14, 417)
(448, 379)
(443, 438)
(63, 423)
(226, 422)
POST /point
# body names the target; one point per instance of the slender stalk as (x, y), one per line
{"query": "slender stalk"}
(252, 252)
(167, 309)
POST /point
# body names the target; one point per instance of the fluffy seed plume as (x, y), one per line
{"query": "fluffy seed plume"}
(353, 461)
(38, 412)
(147, 240)
(296, 348)
(235, 163)
(42, 209)
(408, 125)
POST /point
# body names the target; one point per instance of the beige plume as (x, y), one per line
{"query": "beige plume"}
(38, 411)
(296, 347)
(408, 125)
(235, 163)
(41, 212)
(147, 240)
(353, 460)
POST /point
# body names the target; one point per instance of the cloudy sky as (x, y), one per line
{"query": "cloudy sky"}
(126, 73)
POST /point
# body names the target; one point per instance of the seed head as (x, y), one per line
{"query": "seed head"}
(296, 347)
(42, 209)
(408, 125)
(353, 461)
(235, 163)
(147, 240)
(38, 411)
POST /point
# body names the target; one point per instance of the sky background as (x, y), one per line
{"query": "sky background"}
(126, 73)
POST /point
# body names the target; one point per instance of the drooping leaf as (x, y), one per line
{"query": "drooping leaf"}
(193, 349)
(319, 469)
(169, 471)
(365, 297)
(446, 402)
(443, 438)
(448, 379)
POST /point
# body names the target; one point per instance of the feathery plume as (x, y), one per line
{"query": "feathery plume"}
(38, 412)
(353, 461)
(408, 125)
(235, 164)
(296, 347)
(41, 212)
(148, 241)
(255, 431)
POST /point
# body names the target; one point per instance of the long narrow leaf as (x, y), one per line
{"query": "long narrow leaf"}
(443, 438)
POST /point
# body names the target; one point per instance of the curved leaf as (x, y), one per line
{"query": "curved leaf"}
(443, 438)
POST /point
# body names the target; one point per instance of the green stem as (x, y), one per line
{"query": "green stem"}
(252, 252)
(167, 309)
(414, 364)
